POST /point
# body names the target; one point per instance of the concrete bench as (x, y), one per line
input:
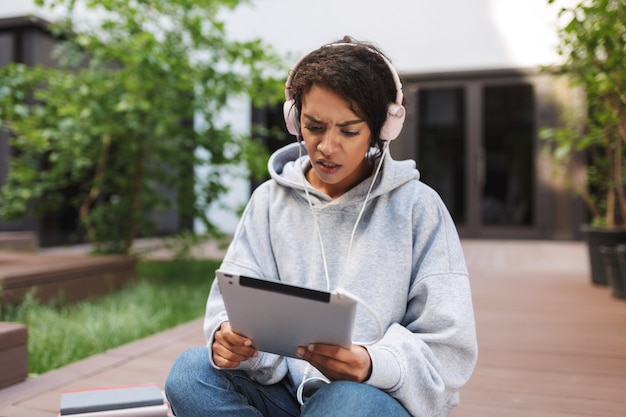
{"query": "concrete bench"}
(19, 241)
(13, 353)
(62, 277)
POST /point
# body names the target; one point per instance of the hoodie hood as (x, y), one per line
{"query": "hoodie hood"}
(286, 166)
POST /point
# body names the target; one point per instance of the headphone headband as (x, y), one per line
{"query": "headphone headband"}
(395, 111)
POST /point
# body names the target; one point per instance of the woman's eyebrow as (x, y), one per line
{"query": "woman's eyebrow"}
(344, 124)
(311, 118)
(351, 122)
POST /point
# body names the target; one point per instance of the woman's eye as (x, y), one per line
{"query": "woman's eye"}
(313, 128)
(316, 129)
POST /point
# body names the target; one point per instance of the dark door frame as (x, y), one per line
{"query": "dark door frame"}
(544, 189)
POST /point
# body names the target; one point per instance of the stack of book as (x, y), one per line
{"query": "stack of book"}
(131, 401)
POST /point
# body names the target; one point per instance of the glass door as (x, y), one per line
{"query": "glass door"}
(506, 171)
(475, 147)
(441, 147)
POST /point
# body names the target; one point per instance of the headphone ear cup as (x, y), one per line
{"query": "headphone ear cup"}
(392, 127)
(290, 113)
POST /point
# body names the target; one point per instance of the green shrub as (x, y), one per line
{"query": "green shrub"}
(166, 294)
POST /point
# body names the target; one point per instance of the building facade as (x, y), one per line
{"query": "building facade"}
(477, 95)
(478, 92)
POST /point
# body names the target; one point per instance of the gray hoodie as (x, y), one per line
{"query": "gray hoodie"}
(405, 262)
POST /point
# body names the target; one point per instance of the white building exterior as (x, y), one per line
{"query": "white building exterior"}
(419, 36)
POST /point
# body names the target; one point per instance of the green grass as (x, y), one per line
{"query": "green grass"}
(166, 293)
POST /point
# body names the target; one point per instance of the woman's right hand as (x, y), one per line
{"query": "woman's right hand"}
(230, 348)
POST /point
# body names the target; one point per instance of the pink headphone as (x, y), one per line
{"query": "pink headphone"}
(395, 111)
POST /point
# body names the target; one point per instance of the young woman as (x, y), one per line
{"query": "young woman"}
(338, 211)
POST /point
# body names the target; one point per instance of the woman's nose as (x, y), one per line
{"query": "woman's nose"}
(328, 144)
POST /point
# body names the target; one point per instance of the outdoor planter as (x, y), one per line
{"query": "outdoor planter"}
(66, 278)
(13, 353)
(618, 286)
(593, 63)
(613, 268)
(596, 237)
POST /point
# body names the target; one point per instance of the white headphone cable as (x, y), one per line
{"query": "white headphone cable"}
(306, 378)
(358, 220)
(319, 234)
(359, 300)
(317, 225)
(369, 191)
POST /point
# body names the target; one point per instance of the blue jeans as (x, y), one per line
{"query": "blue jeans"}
(195, 389)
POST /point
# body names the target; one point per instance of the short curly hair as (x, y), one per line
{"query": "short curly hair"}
(357, 72)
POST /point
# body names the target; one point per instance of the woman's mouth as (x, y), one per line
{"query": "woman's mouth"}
(327, 167)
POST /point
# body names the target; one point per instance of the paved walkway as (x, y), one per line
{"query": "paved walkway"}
(551, 343)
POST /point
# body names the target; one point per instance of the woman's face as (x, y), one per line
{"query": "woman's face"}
(336, 140)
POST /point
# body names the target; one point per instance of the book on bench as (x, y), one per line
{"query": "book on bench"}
(135, 401)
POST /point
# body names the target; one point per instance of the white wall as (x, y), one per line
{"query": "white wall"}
(238, 116)
(418, 35)
(15, 8)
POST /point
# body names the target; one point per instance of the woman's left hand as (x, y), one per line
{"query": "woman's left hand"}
(338, 363)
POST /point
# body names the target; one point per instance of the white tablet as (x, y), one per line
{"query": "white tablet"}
(279, 317)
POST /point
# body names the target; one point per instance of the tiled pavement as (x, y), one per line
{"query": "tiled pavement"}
(551, 343)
